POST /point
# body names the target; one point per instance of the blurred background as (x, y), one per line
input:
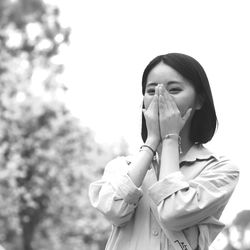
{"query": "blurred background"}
(70, 101)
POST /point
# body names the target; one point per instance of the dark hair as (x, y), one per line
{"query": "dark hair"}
(204, 121)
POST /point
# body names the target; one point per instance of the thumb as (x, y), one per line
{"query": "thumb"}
(187, 114)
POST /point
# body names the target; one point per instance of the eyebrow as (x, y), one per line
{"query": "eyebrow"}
(153, 84)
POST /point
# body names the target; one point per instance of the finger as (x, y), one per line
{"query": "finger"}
(158, 95)
(161, 101)
(166, 98)
(171, 102)
(154, 103)
(187, 114)
(157, 90)
(162, 104)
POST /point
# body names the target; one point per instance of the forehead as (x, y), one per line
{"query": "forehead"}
(163, 73)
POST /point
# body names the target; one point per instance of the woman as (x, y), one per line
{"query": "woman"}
(171, 194)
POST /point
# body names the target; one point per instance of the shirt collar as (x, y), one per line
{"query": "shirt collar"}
(197, 152)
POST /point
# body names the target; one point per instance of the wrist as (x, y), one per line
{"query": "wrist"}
(173, 139)
(166, 133)
(152, 142)
(148, 149)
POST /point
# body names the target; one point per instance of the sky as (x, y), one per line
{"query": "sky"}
(113, 41)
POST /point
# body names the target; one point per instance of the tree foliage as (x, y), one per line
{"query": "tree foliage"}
(47, 159)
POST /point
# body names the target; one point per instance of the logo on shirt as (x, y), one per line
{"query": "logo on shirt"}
(182, 245)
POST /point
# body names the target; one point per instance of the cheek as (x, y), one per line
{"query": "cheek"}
(147, 100)
(181, 107)
(184, 103)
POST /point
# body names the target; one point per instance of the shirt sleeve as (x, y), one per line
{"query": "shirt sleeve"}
(115, 194)
(183, 203)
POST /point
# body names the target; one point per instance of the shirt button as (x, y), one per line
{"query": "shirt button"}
(155, 233)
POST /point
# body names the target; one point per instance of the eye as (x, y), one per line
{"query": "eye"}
(151, 91)
(174, 90)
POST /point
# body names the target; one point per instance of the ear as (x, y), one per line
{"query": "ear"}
(199, 102)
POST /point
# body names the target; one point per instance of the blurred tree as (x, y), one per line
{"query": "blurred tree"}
(235, 236)
(46, 158)
(239, 231)
(31, 32)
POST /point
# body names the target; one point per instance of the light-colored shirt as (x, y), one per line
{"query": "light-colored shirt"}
(190, 200)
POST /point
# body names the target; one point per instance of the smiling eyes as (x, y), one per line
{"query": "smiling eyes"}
(151, 91)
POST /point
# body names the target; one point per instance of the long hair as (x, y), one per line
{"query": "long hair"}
(204, 121)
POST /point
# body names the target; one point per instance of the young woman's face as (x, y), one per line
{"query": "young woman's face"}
(178, 87)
